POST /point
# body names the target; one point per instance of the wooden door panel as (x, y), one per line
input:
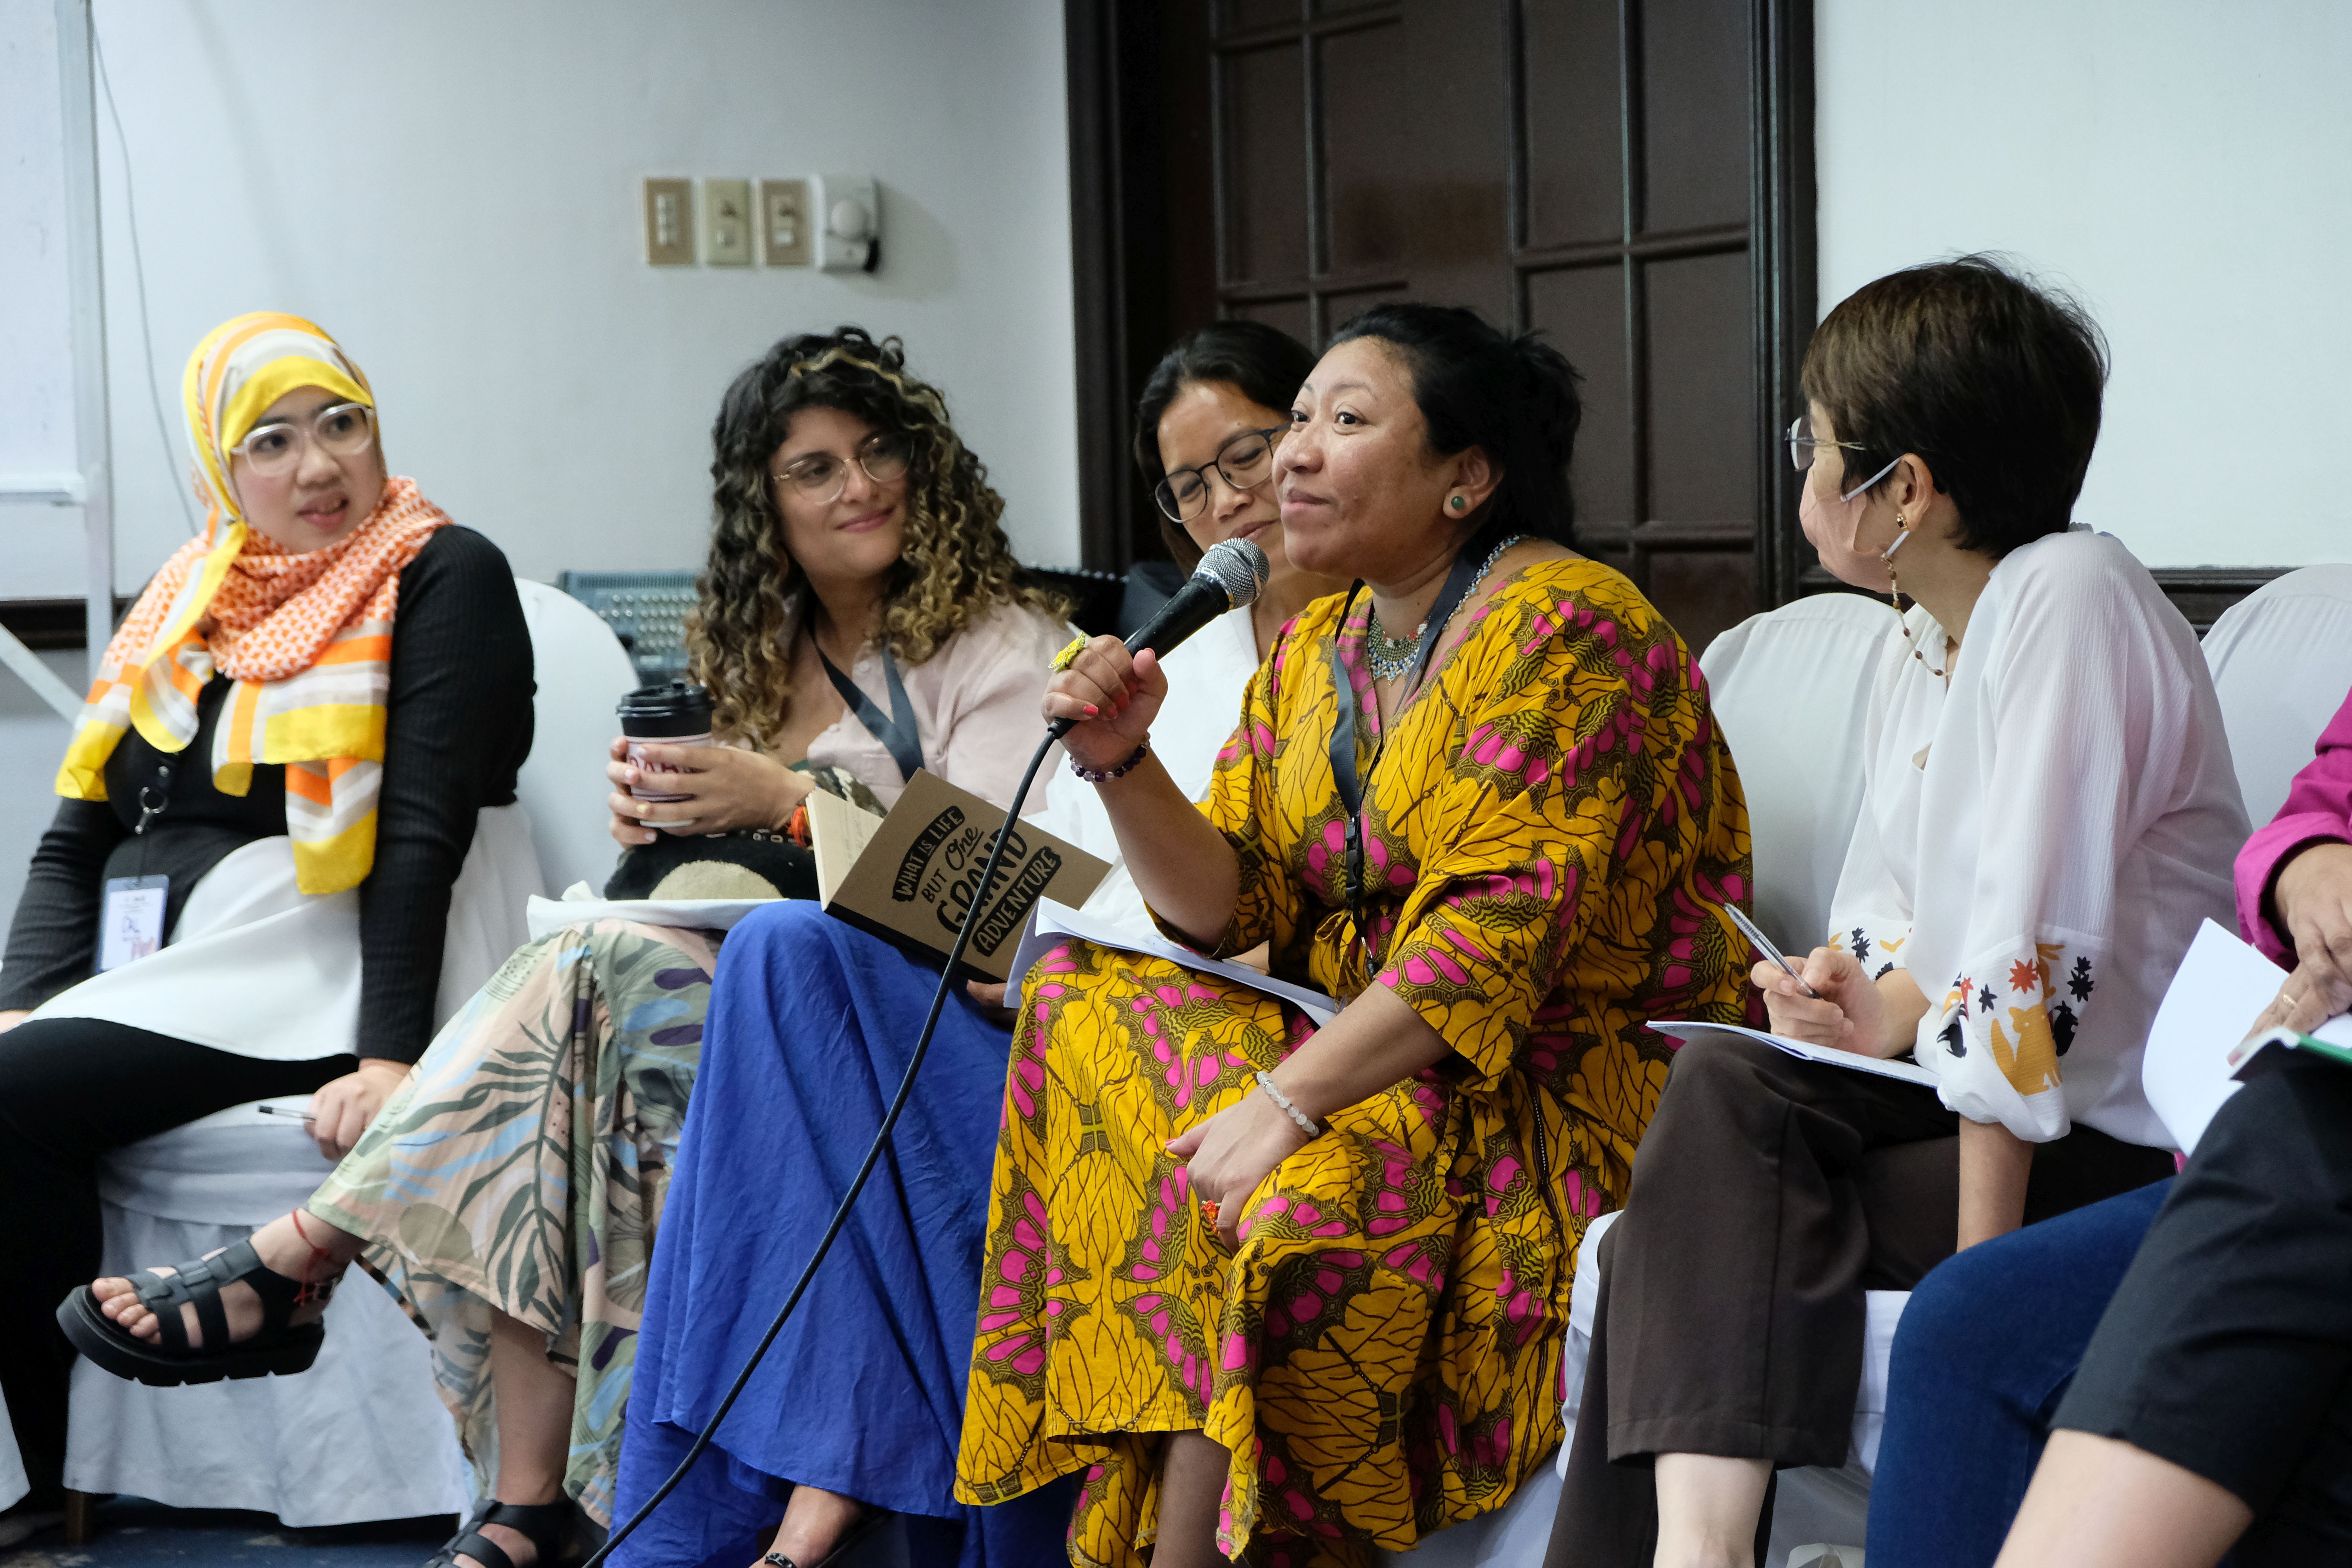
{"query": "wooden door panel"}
(1702, 415)
(1240, 15)
(1631, 177)
(1582, 310)
(1365, 134)
(1575, 161)
(1265, 182)
(1287, 315)
(1694, 93)
(1456, 161)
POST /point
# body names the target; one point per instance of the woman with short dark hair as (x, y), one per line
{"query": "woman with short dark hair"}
(2049, 812)
(1285, 1292)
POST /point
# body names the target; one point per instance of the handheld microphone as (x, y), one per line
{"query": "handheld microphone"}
(1232, 573)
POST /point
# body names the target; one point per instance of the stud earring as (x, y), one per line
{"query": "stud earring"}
(1457, 503)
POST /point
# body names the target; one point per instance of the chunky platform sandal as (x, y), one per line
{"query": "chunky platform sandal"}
(278, 1347)
(868, 1524)
(546, 1525)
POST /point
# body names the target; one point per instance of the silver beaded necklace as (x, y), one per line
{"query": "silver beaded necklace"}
(1388, 657)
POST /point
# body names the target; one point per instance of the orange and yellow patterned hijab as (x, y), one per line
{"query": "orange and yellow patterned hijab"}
(307, 636)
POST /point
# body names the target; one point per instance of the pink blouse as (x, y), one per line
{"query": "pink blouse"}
(2318, 810)
(976, 705)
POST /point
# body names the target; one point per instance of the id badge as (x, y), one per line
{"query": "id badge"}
(130, 922)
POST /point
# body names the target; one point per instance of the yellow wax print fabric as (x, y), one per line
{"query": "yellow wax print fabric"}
(1548, 832)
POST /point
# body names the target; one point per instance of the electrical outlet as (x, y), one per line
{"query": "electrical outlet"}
(669, 223)
(784, 236)
(727, 223)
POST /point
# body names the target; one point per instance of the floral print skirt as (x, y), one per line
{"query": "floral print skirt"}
(523, 1168)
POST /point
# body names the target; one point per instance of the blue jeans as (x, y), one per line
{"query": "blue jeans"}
(1988, 1343)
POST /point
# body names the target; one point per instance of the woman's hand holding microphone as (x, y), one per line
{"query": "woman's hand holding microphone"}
(724, 787)
(1112, 695)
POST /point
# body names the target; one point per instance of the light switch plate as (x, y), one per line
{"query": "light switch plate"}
(784, 236)
(727, 223)
(669, 223)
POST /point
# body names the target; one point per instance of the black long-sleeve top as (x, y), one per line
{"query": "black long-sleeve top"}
(457, 726)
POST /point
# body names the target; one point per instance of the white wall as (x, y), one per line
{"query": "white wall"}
(40, 546)
(452, 189)
(2186, 169)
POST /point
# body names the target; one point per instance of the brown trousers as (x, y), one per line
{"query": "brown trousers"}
(1769, 1193)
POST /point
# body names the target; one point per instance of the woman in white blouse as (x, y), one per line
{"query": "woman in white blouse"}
(2050, 812)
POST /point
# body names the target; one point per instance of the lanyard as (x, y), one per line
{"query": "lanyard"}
(898, 733)
(1343, 728)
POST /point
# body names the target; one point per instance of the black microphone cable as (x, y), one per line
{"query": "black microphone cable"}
(981, 900)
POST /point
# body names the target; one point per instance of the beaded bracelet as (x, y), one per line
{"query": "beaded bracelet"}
(1306, 1124)
(1143, 750)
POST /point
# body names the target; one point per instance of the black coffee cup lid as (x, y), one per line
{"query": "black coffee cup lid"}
(673, 708)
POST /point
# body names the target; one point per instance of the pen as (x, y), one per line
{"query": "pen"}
(1763, 944)
(281, 1110)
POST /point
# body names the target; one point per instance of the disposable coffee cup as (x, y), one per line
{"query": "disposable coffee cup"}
(676, 713)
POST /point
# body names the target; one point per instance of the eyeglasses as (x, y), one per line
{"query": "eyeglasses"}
(1245, 461)
(1802, 442)
(275, 450)
(820, 477)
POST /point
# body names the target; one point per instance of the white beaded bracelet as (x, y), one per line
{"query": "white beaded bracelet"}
(1306, 1124)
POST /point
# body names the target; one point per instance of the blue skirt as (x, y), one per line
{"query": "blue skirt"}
(811, 1026)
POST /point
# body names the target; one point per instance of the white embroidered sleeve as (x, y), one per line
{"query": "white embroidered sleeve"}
(2087, 706)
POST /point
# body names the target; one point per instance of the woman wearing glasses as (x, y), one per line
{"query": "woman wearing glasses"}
(857, 567)
(855, 1411)
(2049, 812)
(281, 769)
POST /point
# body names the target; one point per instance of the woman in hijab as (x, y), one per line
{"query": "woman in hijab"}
(277, 777)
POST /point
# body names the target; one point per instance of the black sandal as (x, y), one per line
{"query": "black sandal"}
(546, 1525)
(868, 1524)
(278, 1347)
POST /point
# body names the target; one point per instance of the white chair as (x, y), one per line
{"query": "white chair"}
(362, 1436)
(584, 672)
(2282, 658)
(1790, 689)
(12, 1485)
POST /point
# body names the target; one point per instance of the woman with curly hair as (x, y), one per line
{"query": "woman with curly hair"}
(859, 618)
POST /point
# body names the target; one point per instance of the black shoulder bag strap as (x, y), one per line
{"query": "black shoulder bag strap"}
(898, 733)
(1343, 725)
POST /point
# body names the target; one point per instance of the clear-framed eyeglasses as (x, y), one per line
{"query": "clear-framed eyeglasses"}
(820, 477)
(1802, 442)
(340, 430)
(1245, 462)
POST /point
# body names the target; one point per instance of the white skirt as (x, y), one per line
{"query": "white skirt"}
(257, 968)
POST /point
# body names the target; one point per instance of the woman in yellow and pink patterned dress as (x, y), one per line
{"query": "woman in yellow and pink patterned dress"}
(1284, 1293)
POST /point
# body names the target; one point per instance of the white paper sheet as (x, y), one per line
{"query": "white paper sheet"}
(1852, 1061)
(1049, 922)
(2221, 988)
